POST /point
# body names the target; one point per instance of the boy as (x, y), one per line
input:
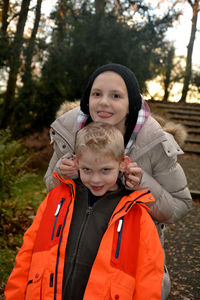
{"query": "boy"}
(91, 239)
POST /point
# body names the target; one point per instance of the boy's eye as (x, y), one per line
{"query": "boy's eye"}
(86, 170)
(106, 170)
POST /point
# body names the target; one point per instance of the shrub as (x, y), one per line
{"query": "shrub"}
(13, 157)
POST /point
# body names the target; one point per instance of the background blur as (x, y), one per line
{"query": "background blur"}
(48, 50)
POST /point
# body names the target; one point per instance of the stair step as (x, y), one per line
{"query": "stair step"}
(187, 107)
(186, 118)
(191, 150)
(185, 112)
(195, 194)
(190, 124)
(191, 140)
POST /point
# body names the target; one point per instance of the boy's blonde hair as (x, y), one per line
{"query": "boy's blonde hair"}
(101, 138)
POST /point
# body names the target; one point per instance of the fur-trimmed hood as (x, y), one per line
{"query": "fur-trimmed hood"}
(177, 130)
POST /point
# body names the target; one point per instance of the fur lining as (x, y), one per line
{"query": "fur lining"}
(177, 130)
(66, 106)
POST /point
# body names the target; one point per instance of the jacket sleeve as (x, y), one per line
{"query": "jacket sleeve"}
(54, 164)
(168, 184)
(62, 135)
(17, 282)
(150, 264)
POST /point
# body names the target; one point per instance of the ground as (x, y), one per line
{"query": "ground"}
(182, 246)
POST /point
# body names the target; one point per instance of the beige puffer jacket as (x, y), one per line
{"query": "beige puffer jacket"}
(155, 151)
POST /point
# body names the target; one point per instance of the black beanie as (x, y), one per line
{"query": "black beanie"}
(134, 96)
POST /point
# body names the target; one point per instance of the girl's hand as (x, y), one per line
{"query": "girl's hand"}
(133, 174)
(68, 168)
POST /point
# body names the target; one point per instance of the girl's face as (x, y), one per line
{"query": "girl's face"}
(108, 100)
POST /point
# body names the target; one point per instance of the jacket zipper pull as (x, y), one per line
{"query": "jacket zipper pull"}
(56, 215)
(119, 230)
(119, 227)
(59, 207)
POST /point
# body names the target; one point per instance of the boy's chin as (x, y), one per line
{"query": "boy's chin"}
(98, 193)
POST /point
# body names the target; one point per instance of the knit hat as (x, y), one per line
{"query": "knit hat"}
(134, 96)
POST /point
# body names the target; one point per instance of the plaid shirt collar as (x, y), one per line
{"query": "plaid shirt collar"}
(142, 116)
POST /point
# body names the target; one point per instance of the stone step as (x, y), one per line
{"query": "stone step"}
(193, 131)
(176, 106)
(185, 112)
(190, 124)
(192, 140)
(186, 118)
(195, 194)
(191, 150)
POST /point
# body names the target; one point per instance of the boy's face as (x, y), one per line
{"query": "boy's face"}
(98, 172)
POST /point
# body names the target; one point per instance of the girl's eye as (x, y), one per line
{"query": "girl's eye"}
(96, 94)
(116, 96)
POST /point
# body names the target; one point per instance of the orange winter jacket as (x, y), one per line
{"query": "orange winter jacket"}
(129, 262)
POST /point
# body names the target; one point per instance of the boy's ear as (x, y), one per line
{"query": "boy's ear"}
(124, 163)
(75, 161)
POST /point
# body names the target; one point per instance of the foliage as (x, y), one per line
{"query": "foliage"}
(196, 79)
(13, 157)
(88, 41)
(80, 39)
(21, 208)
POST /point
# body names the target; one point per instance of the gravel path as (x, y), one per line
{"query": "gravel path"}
(182, 246)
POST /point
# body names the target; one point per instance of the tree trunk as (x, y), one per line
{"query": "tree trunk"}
(5, 16)
(14, 65)
(3, 33)
(30, 49)
(188, 69)
(99, 6)
(169, 68)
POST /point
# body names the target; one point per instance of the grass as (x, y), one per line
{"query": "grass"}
(20, 210)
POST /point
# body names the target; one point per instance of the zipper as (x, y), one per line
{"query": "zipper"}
(56, 216)
(88, 212)
(119, 230)
(60, 240)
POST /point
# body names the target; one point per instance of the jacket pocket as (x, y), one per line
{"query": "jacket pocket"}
(122, 287)
(34, 285)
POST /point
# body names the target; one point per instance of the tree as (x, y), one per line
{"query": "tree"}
(31, 43)
(99, 6)
(14, 65)
(3, 33)
(167, 73)
(188, 70)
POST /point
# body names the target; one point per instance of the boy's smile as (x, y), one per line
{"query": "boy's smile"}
(98, 172)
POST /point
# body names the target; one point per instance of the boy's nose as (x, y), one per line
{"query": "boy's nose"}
(95, 178)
